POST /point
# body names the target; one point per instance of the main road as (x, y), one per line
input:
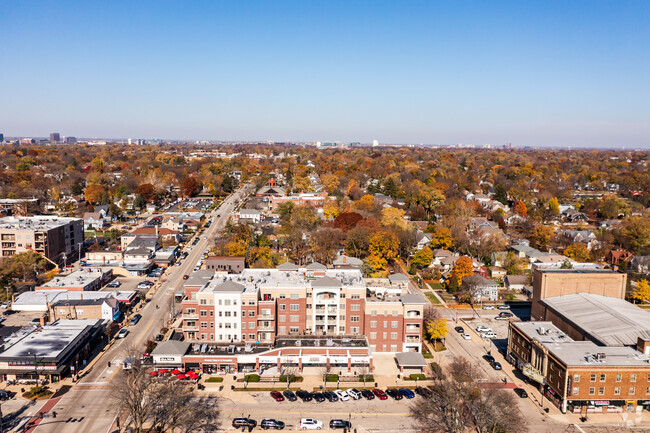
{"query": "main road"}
(87, 407)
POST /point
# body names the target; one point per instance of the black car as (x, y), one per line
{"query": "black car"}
(289, 395)
(521, 392)
(4, 395)
(489, 358)
(244, 422)
(330, 396)
(318, 396)
(460, 329)
(304, 395)
(394, 393)
(270, 423)
(339, 423)
(367, 394)
(424, 392)
(496, 365)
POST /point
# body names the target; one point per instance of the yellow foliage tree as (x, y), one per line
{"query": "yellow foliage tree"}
(577, 252)
(642, 291)
(234, 249)
(383, 247)
(441, 237)
(331, 182)
(437, 329)
(462, 268)
(393, 217)
(331, 209)
(365, 203)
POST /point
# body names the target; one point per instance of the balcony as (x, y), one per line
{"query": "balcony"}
(190, 328)
(193, 316)
(265, 328)
(413, 315)
(412, 339)
(320, 322)
(266, 317)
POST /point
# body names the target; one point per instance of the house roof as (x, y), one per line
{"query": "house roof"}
(410, 359)
(326, 282)
(287, 266)
(315, 266)
(398, 278)
(517, 279)
(346, 260)
(411, 298)
(161, 231)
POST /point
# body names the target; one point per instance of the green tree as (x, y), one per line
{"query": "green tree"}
(422, 258)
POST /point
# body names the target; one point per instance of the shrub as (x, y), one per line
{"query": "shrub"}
(252, 378)
(417, 376)
(283, 378)
(331, 377)
(367, 377)
(436, 370)
(215, 379)
(427, 355)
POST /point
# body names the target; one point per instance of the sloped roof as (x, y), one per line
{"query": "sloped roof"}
(326, 282)
(410, 359)
(398, 278)
(229, 286)
(287, 266)
(316, 267)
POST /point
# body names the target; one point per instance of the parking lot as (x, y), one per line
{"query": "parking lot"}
(201, 205)
(365, 415)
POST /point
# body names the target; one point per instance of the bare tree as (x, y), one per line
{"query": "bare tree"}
(289, 373)
(364, 373)
(171, 412)
(324, 371)
(132, 392)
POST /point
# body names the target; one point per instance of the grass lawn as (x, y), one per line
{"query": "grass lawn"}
(432, 298)
(435, 286)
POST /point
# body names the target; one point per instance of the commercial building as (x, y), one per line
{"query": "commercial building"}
(55, 137)
(84, 279)
(581, 376)
(233, 265)
(106, 309)
(57, 238)
(40, 300)
(260, 305)
(551, 282)
(51, 351)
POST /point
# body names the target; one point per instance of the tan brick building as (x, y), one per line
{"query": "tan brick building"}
(548, 283)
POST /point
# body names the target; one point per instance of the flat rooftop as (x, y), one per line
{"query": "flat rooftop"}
(36, 223)
(321, 341)
(607, 320)
(580, 353)
(40, 297)
(47, 342)
(78, 278)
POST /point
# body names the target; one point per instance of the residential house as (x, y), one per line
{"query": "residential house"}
(423, 240)
(439, 254)
(516, 283)
(232, 265)
(481, 288)
(93, 221)
(583, 236)
(497, 273)
(640, 264)
(618, 257)
(79, 309)
(575, 216)
(249, 214)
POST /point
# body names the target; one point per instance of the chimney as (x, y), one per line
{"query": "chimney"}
(643, 345)
(345, 258)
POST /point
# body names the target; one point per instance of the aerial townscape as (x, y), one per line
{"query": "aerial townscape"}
(372, 264)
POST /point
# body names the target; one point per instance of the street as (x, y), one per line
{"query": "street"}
(87, 407)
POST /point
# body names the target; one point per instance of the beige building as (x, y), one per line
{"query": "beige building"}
(549, 283)
(54, 237)
(77, 309)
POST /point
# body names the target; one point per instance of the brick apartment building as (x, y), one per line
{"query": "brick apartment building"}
(581, 376)
(259, 305)
(51, 236)
(552, 282)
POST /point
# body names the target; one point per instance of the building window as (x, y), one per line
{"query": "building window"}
(576, 378)
(204, 313)
(354, 318)
(294, 318)
(393, 335)
(602, 377)
(283, 318)
(282, 296)
(308, 305)
(204, 324)
(374, 313)
(282, 329)
(601, 390)
(393, 324)
(619, 377)
(211, 313)
(373, 335)
(283, 307)
(632, 390)
(355, 307)
(385, 335)
(354, 330)
(226, 302)
(373, 324)
(592, 390)
(592, 378)
(293, 329)
(202, 302)
(342, 306)
(393, 347)
(295, 307)
(647, 390)
(251, 302)
(251, 325)
(617, 390)
(295, 296)
(211, 336)
(394, 312)
(251, 313)
(341, 328)
(385, 323)
(355, 296)
(632, 377)
(251, 336)
(576, 390)
(212, 325)
(202, 336)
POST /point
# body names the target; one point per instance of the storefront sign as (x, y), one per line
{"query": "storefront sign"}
(167, 359)
(532, 373)
(207, 360)
(601, 403)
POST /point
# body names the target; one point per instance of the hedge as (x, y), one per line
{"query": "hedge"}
(252, 378)
(215, 379)
(368, 377)
(331, 378)
(295, 379)
(417, 376)
(427, 355)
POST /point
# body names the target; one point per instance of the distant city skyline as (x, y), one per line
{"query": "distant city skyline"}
(554, 74)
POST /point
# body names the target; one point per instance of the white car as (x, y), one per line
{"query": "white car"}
(342, 395)
(310, 424)
(466, 336)
(123, 333)
(488, 307)
(482, 328)
(489, 334)
(354, 393)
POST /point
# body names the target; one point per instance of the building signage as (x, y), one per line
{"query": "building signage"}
(219, 360)
(31, 367)
(167, 359)
(532, 373)
(601, 403)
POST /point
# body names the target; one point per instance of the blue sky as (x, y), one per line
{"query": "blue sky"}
(532, 73)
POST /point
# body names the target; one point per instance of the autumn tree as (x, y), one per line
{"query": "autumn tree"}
(94, 194)
(437, 329)
(330, 181)
(325, 242)
(383, 246)
(554, 206)
(541, 235)
(462, 268)
(303, 218)
(440, 236)
(190, 186)
(146, 190)
(422, 258)
(641, 292)
(235, 249)
(520, 208)
(347, 220)
(577, 252)
(393, 217)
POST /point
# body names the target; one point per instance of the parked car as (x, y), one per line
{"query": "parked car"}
(4, 395)
(303, 395)
(504, 315)
(521, 392)
(482, 328)
(123, 333)
(185, 277)
(342, 395)
(381, 395)
(488, 307)
(310, 424)
(367, 394)
(459, 329)
(339, 423)
(504, 307)
(330, 396)
(489, 358)
(407, 392)
(318, 396)
(244, 422)
(424, 392)
(496, 365)
(394, 393)
(277, 396)
(289, 395)
(354, 393)
(270, 423)
(466, 336)
(489, 334)
(114, 284)
(159, 337)
(135, 319)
